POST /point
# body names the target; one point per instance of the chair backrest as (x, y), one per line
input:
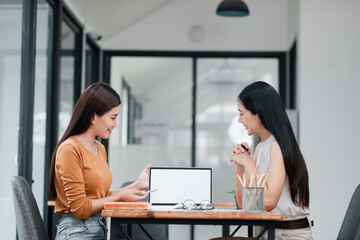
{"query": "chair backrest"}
(351, 224)
(28, 219)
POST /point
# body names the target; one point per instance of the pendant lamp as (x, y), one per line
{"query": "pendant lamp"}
(232, 8)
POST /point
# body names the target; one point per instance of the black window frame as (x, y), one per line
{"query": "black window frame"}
(195, 55)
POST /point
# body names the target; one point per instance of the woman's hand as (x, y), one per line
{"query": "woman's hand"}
(239, 152)
(143, 180)
(240, 158)
(131, 195)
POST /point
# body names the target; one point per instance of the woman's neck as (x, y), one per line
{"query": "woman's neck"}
(88, 141)
(264, 135)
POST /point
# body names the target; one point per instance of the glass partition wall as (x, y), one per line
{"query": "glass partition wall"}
(42, 73)
(155, 123)
(57, 63)
(10, 69)
(219, 82)
(67, 75)
(155, 117)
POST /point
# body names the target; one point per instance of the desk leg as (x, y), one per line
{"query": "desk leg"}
(117, 230)
(226, 230)
(271, 232)
(250, 231)
(129, 229)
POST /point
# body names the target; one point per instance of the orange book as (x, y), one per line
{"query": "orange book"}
(126, 205)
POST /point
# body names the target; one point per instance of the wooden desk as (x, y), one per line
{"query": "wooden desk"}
(139, 215)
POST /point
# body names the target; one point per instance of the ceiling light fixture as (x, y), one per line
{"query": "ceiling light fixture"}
(232, 8)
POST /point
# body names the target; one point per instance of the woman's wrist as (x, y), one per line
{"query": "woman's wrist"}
(250, 166)
(238, 167)
(137, 185)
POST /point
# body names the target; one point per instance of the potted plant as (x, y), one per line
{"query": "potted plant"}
(232, 192)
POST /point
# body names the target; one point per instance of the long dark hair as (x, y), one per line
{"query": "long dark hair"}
(262, 99)
(98, 99)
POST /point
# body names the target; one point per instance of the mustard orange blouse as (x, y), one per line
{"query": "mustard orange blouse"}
(80, 176)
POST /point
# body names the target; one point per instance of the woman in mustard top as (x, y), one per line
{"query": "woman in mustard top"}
(79, 177)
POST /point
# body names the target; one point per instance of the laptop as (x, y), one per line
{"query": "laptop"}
(177, 184)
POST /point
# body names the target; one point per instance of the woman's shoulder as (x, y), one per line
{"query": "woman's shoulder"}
(69, 142)
(275, 145)
(70, 145)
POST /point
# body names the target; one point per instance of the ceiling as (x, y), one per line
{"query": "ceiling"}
(109, 17)
(187, 24)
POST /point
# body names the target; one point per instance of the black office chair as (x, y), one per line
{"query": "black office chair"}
(28, 219)
(139, 232)
(350, 227)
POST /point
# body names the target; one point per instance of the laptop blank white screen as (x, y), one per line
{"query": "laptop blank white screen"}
(176, 185)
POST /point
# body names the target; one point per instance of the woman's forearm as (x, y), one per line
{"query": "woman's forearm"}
(239, 171)
(98, 204)
(123, 195)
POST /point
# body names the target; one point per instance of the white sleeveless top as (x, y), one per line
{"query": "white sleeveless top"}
(285, 204)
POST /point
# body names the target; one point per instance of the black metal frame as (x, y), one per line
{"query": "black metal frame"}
(95, 61)
(27, 88)
(292, 76)
(52, 111)
(193, 118)
(281, 56)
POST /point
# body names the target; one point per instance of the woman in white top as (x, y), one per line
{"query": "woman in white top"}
(287, 187)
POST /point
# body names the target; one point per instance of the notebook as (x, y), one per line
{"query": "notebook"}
(177, 184)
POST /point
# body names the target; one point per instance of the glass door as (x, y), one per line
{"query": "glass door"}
(219, 82)
(10, 69)
(42, 73)
(67, 75)
(155, 118)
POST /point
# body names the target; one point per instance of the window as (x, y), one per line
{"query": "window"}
(10, 68)
(42, 73)
(167, 131)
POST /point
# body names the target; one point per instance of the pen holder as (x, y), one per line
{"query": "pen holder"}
(253, 199)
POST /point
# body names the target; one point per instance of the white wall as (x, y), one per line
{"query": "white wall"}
(328, 98)
(293, 22)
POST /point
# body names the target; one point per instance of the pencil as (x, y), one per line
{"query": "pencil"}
(242, 183)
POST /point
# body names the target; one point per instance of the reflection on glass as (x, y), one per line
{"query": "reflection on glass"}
(42, 64)
(156, 109)
(91, 64)
(124, 116)
(219, 83)
(155, 121)
(67, 76)
(10, 68)
(220, 80)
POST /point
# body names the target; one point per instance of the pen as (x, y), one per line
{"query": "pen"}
(245, 147)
